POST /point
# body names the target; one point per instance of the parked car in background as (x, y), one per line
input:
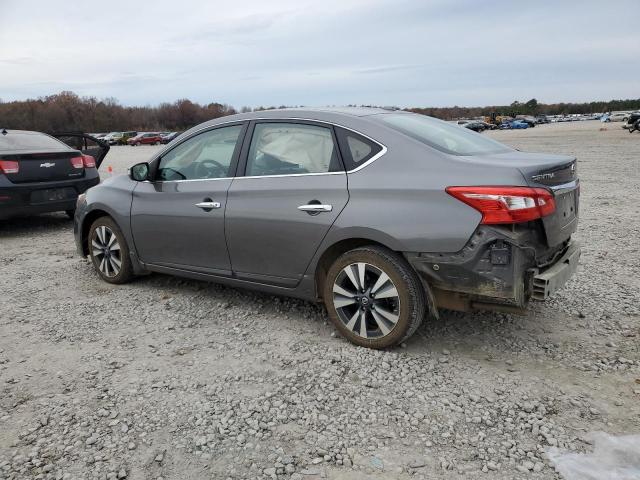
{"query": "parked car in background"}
(618, 117)
(40, 173)
(306, 202)
(513, 124)
(633, 122)
(475, 125)
(125, 137)
(113, 138)
(168, 137)
(148, 138)
(541, 119)
(531, 121)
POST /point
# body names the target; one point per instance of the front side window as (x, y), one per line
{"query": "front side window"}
(290, 148)
(207, 155)
(441, 135)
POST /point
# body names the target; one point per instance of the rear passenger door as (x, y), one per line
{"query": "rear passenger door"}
(293, 188)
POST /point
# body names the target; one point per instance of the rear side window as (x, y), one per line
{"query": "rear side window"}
(29, 141)
(356, 150)
(441, 135)
(291, 149)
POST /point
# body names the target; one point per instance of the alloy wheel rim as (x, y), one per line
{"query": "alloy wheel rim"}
(106, 250)
(366, 300)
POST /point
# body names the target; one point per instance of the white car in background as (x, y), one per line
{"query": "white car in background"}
(113, 137)
(619, 116)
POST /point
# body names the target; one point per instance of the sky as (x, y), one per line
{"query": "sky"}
(329, 52)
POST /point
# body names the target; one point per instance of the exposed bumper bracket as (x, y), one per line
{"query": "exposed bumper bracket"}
(553, 278)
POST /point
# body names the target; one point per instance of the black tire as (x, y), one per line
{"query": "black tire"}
(70, 213)
(411, 298)
(107, 270)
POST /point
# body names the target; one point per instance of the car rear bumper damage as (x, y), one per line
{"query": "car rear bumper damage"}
(499, 269)
(32, 198)
(549, 280)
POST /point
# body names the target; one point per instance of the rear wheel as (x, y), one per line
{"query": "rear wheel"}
(374, 298)
(109, 252)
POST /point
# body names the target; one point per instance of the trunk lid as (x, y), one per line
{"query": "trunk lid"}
(560, 175)
(44, 167)
(557, 173)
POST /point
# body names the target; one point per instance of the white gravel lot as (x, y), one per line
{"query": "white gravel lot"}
(179, 379)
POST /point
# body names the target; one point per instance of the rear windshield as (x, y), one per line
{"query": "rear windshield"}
(29, 141)
(443, 136)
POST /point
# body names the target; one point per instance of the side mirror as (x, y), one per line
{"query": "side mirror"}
(139, 172)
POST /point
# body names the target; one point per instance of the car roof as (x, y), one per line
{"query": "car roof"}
(347, 116)
(306, 112)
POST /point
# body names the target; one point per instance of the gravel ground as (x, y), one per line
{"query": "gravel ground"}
(178, 379)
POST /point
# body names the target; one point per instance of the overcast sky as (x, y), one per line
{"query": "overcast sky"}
(322, 52)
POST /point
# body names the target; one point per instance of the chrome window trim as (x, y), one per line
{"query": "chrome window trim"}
(291, 175)
(192, 180)
(381, 153)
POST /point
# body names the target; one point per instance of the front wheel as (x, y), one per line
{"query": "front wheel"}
(374, 298)
(109, 252)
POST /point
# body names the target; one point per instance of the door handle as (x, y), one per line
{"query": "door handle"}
(208, 205)
(315, 208)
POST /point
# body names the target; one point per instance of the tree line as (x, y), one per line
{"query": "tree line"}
(67, 111)
(532, 107)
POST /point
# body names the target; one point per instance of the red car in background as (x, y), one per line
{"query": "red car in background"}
(149, 138)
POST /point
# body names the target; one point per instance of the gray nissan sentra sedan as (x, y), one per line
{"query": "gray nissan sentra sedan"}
(385, 216)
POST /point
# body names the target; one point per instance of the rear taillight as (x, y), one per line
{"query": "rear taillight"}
(88, 161)
(506, 204)
(9, 166)
(77, 162)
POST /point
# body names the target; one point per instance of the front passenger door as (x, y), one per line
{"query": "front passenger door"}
(177, 219)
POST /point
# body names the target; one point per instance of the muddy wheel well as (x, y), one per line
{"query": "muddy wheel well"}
(86, 225)
(332, 253)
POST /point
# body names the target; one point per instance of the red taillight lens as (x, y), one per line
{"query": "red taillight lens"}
(88, 161)
(9, 166)
(506, 204)
(77, 162)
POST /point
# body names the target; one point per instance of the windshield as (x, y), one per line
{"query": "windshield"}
(440, 135)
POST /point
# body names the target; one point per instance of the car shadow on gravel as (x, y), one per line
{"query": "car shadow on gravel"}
(477, 334)
(18, 226)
